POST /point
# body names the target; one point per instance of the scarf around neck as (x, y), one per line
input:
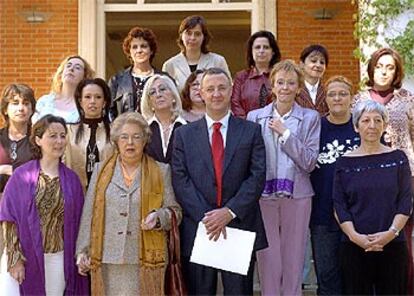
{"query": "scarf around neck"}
(152, 244)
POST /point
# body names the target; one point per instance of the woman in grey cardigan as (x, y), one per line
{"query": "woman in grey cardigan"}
(291, 136)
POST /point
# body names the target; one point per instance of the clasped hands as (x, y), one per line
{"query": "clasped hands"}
(277, 126)
(216, 221)
(373, 242)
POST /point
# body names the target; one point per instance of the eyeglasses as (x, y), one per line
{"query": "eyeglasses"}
(135, 138)
(161, 90)
(341, 94)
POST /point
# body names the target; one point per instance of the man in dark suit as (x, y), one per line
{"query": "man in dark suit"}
(218, 175)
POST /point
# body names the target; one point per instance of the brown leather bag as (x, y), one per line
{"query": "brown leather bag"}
(174, 281)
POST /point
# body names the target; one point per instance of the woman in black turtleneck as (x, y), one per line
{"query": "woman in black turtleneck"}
(89, 140)
(385, 72)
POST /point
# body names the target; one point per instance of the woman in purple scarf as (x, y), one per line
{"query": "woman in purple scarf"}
(41, 209)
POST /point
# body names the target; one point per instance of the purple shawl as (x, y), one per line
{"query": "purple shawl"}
(18, 206)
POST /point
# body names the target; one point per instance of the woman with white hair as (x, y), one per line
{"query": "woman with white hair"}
(161, 107)
(372, 201)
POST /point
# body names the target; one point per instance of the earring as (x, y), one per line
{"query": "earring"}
(103, 113)
(173, 101)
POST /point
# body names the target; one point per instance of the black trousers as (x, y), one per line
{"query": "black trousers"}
(374, 273)
(202, 280)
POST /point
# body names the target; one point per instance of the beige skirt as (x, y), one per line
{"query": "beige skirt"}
(120, 279)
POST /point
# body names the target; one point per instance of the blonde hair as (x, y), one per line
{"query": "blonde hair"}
(56, 86)
(146, 108)
(287, 66)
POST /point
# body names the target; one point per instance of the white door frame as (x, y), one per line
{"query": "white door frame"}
(91, 21)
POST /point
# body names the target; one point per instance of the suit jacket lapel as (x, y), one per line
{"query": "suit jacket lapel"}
(234, 134)
(202, 142)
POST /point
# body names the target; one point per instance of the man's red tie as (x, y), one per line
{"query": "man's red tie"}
(217, 149)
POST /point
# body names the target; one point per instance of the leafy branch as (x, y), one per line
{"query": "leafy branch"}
(374, 18)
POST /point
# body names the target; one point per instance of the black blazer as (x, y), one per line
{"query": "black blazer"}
(154, 147)
(122, 97)
(244, 174)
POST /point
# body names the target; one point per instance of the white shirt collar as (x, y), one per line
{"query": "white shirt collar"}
(224, 121)
(282, 118)
(178, 119)
(312, 88)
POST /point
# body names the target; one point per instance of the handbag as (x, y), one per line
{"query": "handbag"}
(174, 280)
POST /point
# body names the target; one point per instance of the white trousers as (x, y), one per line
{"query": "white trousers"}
(54, 276)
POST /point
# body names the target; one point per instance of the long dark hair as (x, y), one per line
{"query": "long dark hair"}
(105, 116)
(272, 43)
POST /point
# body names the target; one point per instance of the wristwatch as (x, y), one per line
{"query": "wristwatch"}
(395, 230)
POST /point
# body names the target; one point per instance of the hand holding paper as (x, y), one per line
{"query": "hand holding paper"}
(216, 221)
(231, 254)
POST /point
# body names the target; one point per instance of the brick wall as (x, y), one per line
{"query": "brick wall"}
(297, 28)
(30, 53)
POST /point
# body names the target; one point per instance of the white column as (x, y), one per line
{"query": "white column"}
(87, 31)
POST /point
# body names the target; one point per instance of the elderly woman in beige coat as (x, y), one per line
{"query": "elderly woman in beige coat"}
(127, 211)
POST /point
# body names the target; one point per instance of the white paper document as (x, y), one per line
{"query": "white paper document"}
(231, 254)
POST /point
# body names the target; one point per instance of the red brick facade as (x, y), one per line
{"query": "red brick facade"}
(30, 53)
(296, 28)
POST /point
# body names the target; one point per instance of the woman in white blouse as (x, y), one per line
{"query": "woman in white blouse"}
(61, 99)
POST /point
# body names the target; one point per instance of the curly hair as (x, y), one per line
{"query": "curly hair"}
(144, 33)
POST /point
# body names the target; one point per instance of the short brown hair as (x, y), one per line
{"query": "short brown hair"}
(57, 78)
(215, 71)
(144, 33)
(287, 66)
(38, 130)
(399, 69)
(15, 89)
(189, 23)
(185, 92)
(317, 48)
(339, 79)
